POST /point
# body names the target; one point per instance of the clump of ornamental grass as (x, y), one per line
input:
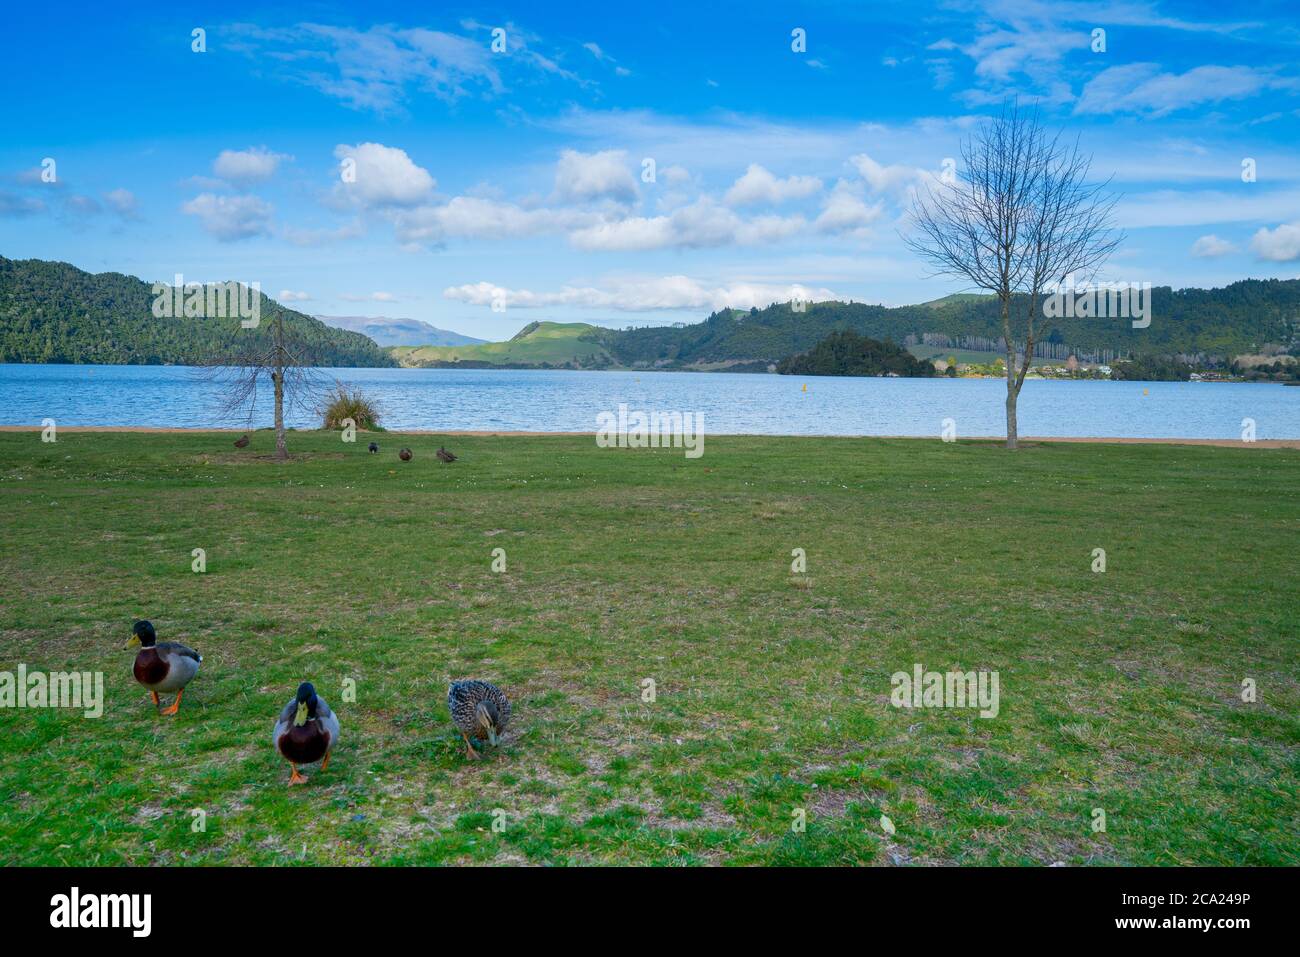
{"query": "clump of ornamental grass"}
(344, 403)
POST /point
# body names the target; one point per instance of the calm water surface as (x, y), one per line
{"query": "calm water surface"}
(561, 401)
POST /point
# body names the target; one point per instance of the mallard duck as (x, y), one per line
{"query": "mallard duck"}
(374, 447)
(404, 455)
(169, 666)
(480, 710)
(445, 455)
(306, 731)
(242, 442)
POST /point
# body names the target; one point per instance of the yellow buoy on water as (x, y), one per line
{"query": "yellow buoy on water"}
(805, 386)
(1146, 391)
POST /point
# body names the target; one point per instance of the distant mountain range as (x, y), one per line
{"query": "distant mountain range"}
(399, 332)
(536, 345)
(1247, 317)
(55, 312)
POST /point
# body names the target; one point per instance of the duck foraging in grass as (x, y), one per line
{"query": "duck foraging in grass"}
(446, 456)
(306, 731)
(169, 666)
(242, 442)
(404, 455)
(480, 710)
(374, 447)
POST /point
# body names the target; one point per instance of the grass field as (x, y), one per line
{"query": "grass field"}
(1119, 691)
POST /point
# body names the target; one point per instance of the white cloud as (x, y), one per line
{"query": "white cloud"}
(376, 69)
(702, 224)
(582, 177)
(1142, 88)
(230, 218)
(288, 295)
(758, 185)
(844, 211)
(674, 175)
(640, 295)
(885, 179)
(122, 202)
(1280, 245)
(384, 176)
(370, 297)
(473, 217)
(245, 167)
(1211, 246)
(13, 205)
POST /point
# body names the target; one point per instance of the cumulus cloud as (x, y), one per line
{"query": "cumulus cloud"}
(702, 224)
(582, 177)
(475, 217)
(885, 179)
(231, 218)
(1281, 245)
(845, 211)
(382, 176)
(246, 167)
(641, 295)
(759, 186)
(1208, 247)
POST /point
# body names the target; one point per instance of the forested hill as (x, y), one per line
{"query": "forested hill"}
(54, 312)
(1240, 318)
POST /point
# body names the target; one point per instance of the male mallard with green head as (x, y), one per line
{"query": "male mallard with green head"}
(168, 666)
(480, 710)
(306, 731)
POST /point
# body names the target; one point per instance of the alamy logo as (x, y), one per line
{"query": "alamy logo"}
(103, 910)
(1101, 300)
(55, 689)
(654, 430)
(214, 300)
(953, 689)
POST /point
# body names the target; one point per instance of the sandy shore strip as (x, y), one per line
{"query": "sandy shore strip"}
(1104, 440)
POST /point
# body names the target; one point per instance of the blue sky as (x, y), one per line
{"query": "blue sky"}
(520, 178)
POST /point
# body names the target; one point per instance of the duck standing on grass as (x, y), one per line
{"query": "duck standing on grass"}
(162, 667)
(306, 731)
(404, 454)
(446, 456)
(480, 710)
(374, 447)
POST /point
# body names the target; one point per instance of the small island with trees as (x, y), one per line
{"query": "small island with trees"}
(845, 353)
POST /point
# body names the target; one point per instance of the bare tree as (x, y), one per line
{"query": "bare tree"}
(1022, 217)
(276, 358)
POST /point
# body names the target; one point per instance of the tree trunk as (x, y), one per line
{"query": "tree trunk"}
(1011, 412)
(281, 450)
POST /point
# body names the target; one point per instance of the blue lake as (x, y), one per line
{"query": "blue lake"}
(561, 401)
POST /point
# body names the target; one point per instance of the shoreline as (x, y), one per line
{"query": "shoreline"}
(497, 433)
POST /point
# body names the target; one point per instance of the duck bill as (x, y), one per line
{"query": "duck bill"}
(492, 736)
(300, 718)
(133, 642)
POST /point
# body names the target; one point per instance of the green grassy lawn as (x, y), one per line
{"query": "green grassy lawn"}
(1119, 691)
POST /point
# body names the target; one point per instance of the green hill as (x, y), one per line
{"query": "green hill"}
(563, 345)
(54, 312)
(1241, 318)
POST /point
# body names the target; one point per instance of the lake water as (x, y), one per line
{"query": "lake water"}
(561, 401)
